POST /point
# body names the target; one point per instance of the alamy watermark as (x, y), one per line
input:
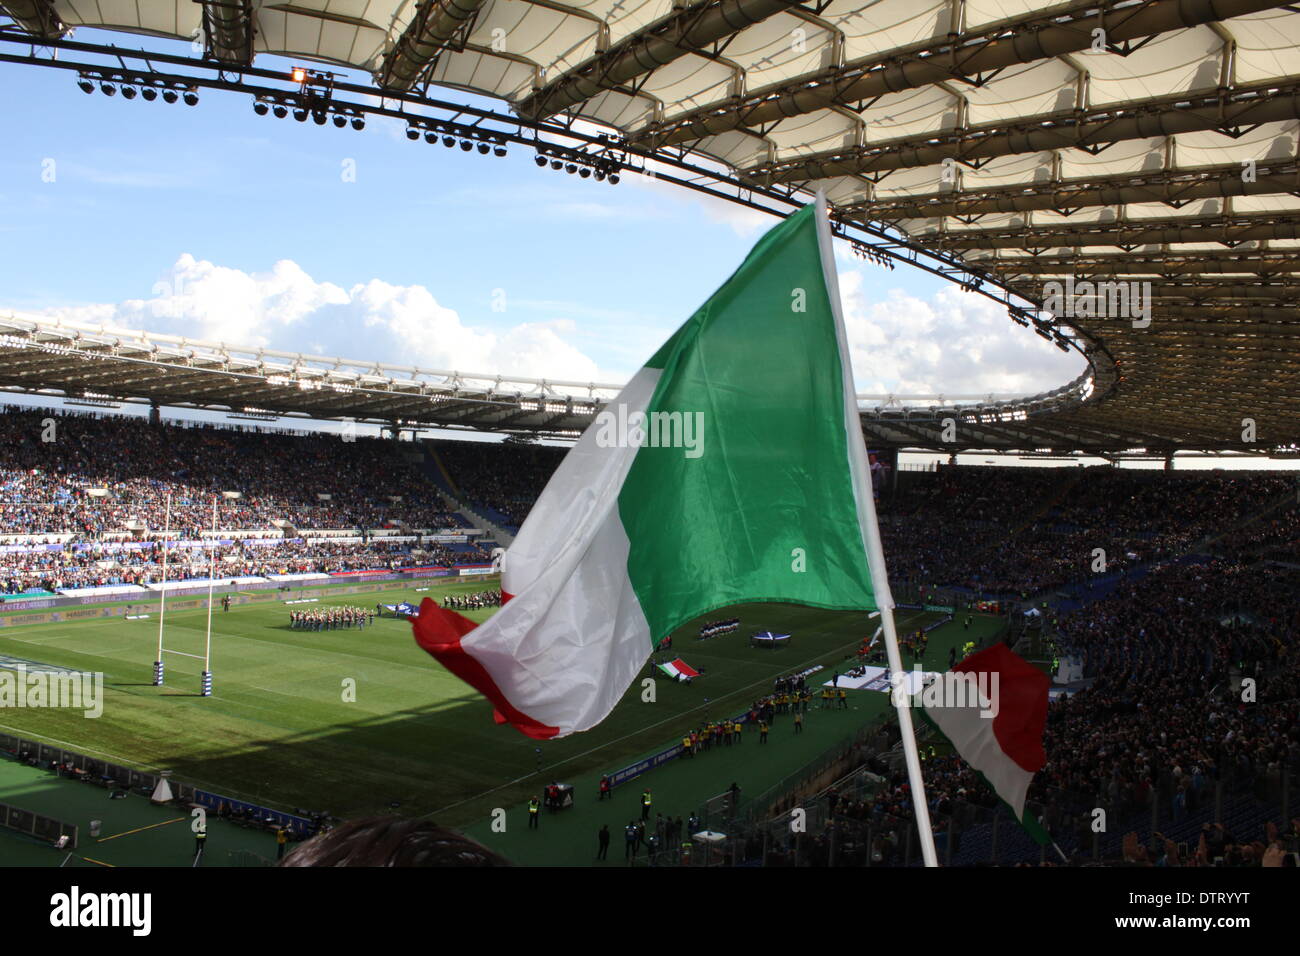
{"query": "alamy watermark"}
(953, 689)
(620, 428)
(44, 688)
(1107, 299)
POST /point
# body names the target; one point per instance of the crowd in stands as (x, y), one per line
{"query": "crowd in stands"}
(992, 530)
(46, 486)
(73, 487)
(501, 480)
(1020, 531)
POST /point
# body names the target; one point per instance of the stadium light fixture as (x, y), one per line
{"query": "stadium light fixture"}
(600, 175)
(340, 120)
(280, 110)
(449, 141)
(86, 85)
(540, 160)
(128, 92)
(412, 133)
(108, 89)
(358, 123)
(431, 137)
(300, 115)
(584, 172)
(499, 150)
(169, 96)
(571, 168)
(556, 164)
(613, 179)
(191, 98)
(466, 145)
(149, 94)
(260, 108)
(298, 74)
(485, 148)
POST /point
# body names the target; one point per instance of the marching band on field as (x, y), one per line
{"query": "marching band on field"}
(330, 618)
(466, 602)
(335, 618)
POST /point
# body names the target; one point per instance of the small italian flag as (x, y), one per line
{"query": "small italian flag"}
(730, 470)
(678, 669)
(995, 722)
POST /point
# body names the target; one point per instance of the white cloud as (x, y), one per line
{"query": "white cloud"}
(287, 309)
(950, 343)
(953, 343)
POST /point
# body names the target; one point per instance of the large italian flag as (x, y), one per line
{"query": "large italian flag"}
(996, 727)
(762, 494)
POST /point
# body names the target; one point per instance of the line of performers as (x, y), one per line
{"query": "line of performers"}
(714, 628)
(471, 602)
(330, 619)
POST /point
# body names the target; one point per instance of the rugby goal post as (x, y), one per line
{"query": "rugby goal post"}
(159, 667)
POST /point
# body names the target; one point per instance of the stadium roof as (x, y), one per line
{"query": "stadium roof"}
(1000, 143)
(99, 365)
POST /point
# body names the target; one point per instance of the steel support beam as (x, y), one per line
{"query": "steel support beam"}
(691, 30)
(967, 56)
(430, 32)
(1226, 111)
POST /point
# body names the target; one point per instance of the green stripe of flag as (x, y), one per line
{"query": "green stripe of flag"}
(764, 509)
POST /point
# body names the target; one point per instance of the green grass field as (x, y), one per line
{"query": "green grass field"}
(416, 740)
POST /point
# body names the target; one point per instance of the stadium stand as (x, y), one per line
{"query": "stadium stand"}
(88, 508)
(1199, 597)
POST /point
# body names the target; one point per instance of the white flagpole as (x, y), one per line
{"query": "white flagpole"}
(871, 537)
(212, 575)
(162, 608)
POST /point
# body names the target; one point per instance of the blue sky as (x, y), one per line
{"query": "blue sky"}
(213, 222)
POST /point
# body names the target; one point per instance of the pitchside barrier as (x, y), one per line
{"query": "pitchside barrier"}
(219, 804)
(33, 824)
(116, 776)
